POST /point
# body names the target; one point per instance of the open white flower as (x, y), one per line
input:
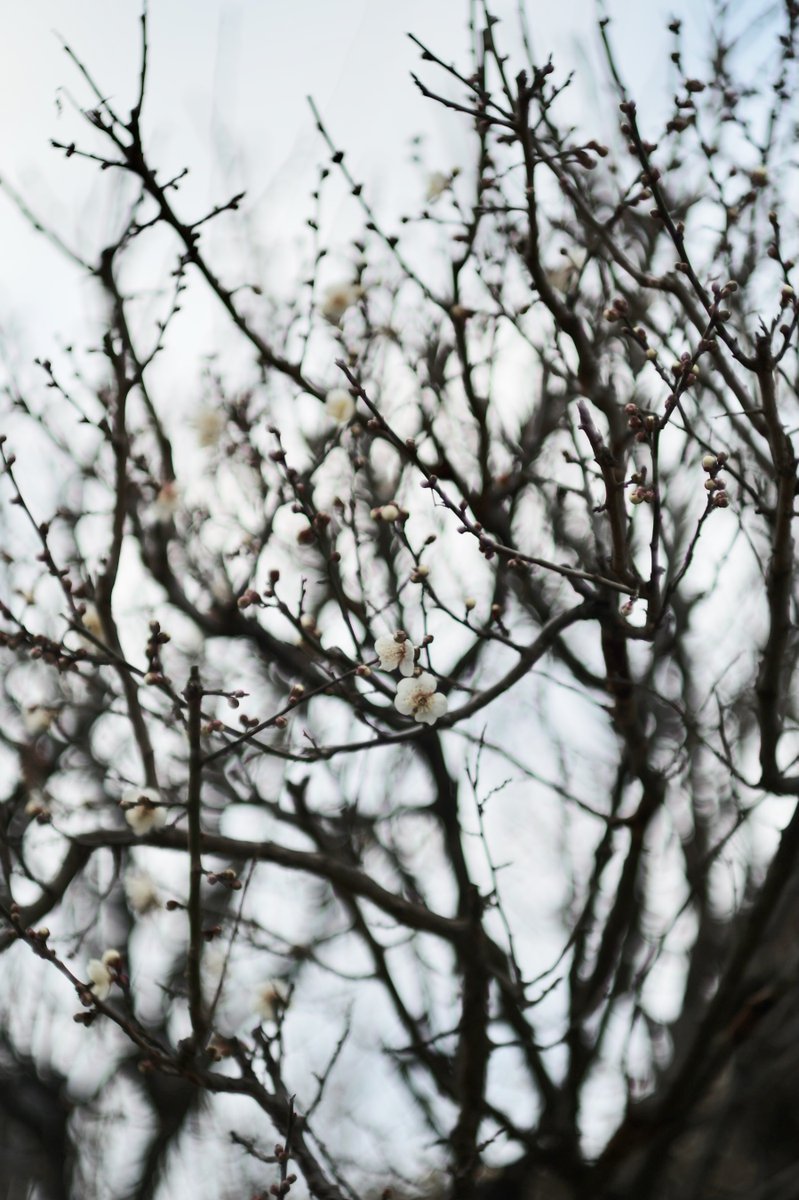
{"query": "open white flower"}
(338, 298)
(340, 405)
(102, 972)
(419, 699)
(143, 810)
(270, 998)
(395, 653)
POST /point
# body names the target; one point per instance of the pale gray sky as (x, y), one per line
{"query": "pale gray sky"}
(227, 97)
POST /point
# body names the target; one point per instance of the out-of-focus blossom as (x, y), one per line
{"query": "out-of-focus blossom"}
(144, 810)
(37, 718)
(340, 405)
(209, 425)
(102, 972)
(36, 804)
(166, 503)
(437, 184)
(141, 891)
(270, 998)
(564, 276)
(92, 623)
(337, 299)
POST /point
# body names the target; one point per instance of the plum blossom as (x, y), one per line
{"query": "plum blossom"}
(419, 699)
(270, 998)
(338, 298)
(143, 810)
(340, 405)
(209, 425)
(565, 276)
(37, 804)
(90, 619)
(396, 651)
(166, 503)
(437, 184)
(37, 718)
(141, 892)
(102, 972)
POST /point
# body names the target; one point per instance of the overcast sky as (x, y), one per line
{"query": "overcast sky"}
(226, 97)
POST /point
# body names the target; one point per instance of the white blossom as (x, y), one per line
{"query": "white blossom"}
(141, 892)
(337, 299)
(437, 184)
(419, 699)
(37, 718)
(340, 405)
(564, 277)
(102, 972)
(143, 810)
(92, 623)
(394, 653)
(270, 997)
(166, 503)
(209, 425)
(36, 804)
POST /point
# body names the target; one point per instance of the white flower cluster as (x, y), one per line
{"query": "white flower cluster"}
(416, 694)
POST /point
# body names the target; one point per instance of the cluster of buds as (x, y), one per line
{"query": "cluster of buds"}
(227, 878)
(248, 598)
(685, 370)
(642, 424)
(642, 494)
(723, 292)
(715, 484)
(618, 309)
(157, 639)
